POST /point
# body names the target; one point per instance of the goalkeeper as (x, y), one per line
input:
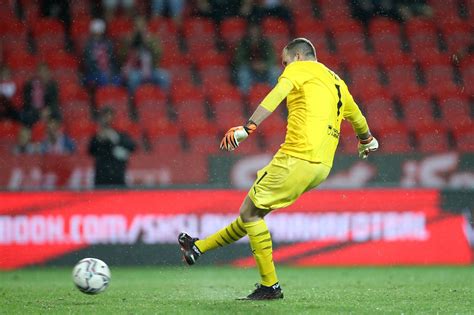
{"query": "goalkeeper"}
(317, 100)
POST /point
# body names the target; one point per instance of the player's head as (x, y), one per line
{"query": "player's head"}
(297, 50)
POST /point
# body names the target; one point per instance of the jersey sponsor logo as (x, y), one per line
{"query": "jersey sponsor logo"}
(331, 131)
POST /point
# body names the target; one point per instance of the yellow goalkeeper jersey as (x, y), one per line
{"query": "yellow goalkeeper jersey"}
(316, 105)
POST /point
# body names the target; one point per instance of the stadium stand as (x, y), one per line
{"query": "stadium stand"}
(401, 72)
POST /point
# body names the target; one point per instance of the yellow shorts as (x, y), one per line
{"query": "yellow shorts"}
(284, 179)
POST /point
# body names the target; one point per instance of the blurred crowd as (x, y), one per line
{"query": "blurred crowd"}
(136, 57)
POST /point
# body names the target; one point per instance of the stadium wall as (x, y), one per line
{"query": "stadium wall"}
(439, 170)
(325, 227)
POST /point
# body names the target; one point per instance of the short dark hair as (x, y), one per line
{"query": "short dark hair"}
(301, 45)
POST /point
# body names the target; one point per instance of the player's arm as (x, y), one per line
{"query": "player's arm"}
(367, 143)
(236, 135)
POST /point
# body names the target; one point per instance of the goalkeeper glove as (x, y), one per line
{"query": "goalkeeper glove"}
(236, 135)
(366, 146)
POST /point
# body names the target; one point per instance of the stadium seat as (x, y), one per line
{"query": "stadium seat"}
(74, 102)
(188, 102)
(22, 65)
(394, 140)
(48, 35)
(80, 33)
(232, 31)
(380, 113)
(64, 67)
(80, 130)
(119, 28)
(257, 93)
(433, 139)
(226, 105)
(164, 28)
(455, 111)
(385, 36)
(349, 31)
(199, 34)
(418, 112)
(115, 97)
(277, 31)
(152, 106)
(204, 140)
(335, 11)
(301, 9)
(464, 138)
(422, 36)
(169, 144)
(457, 34)
(213, 74)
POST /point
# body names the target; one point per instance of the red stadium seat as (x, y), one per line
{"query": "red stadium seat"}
(204, 141)
(385, 35)
(277, 31)
(457, 35)
(464, 138)
(120, 28)
(418, 112)
(227, 106)
(80, 130)
(115, 97)
(315, 31)
(188, 102)
(22, 65)
(380, 113)
(168, 144)
(64, 66)
(455, 111)
(164, 28)
(394, 140)
(80, 33)
(74, 102)
(257, 93)
(199, 33)
(48, 35)
(232, 30)
(432, 140)
(213, 74)
(422, 35)
(152, 106)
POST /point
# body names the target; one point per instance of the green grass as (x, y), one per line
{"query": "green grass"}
(212, 290)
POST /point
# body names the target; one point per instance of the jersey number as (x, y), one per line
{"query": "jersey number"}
(339, 102)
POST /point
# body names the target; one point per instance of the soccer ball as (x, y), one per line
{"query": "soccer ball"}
(91, 275)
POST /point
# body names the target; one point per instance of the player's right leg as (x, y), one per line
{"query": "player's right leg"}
(193, 248)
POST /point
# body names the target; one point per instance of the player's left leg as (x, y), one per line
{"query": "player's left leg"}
(261, 244)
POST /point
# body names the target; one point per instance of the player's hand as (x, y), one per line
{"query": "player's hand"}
(236, 135)
(366, 146)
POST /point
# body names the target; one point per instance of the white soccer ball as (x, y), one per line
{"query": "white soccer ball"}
(91, 275)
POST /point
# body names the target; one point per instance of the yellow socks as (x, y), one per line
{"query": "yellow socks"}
(228, 235)
(261, 244)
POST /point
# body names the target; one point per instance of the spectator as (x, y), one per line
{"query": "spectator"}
(255, 59)
(40, 98)
(275, 8)
(99, 60)
(110, 7)
(24, 144)
(175, 8)
(111, 150)
(400, 10)
(142, 57)
(220, 9)
(56, 141)
(56, 9)
(7, 91)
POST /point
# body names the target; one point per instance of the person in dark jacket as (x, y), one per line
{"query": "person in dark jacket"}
(111, 150)
(40, 98)
(255, 60)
